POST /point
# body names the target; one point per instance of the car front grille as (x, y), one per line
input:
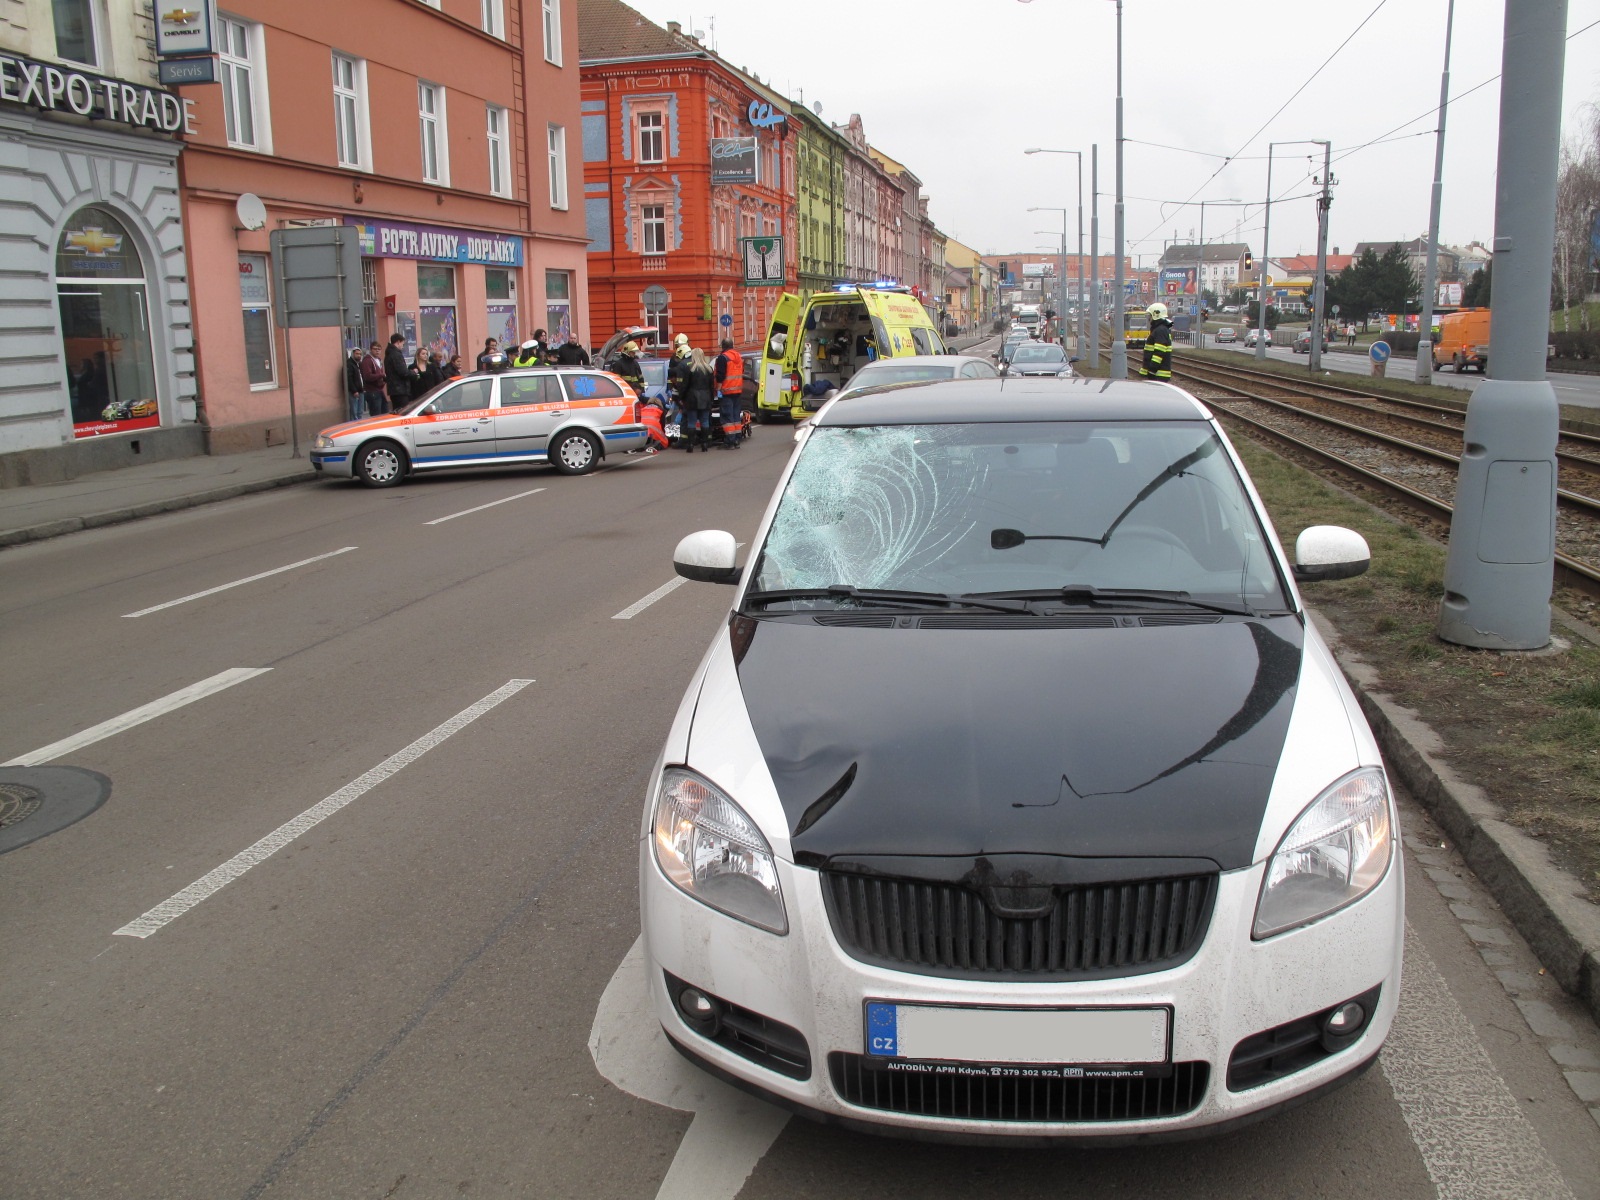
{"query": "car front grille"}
(1092, 931)
(860, 1081)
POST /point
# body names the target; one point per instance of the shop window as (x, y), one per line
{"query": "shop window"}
(105, 326)
(255, 295)
(242, 61)
(436, 324)
(558, 306)
(499, 150)
(652, 137)
(432, 127)
(494, 18)
(653, 224)
(500, 287)
(352, 137)
(558, 166)
(552, 31)
(75, 31)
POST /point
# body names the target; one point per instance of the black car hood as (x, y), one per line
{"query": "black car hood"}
(1125, 741)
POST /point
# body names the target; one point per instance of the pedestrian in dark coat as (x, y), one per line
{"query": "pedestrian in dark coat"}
(372, 379)
(354, 387)
(422, 374)
(572, 354)
(699, 395)
(451, 369)
(397, 372)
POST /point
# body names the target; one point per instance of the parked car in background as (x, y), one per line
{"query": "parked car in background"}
(1225, 334)
(1038, 358)
(1251, 336)
(1302, 341)
(995, 662)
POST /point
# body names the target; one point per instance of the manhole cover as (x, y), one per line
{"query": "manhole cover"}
(37, 801)
(17, 803)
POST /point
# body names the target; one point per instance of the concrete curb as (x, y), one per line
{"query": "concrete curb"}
(1544, 902)
(150, 508)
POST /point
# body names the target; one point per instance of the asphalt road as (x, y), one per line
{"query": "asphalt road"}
(349, 920)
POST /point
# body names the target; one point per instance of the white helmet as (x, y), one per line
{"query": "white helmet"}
(1157, 311)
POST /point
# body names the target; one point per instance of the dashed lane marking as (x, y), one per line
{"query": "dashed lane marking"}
(1474, 1139)
(468, 511)
(222, 587)
(137, 716)
(635, 609)
(218, 878)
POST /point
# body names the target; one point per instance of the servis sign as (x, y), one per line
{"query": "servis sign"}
(61, 89)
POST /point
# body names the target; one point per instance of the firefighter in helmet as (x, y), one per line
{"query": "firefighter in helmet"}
(1158, 346)
(625, 364)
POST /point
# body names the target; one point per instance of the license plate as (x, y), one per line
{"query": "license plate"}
(1134, 1038)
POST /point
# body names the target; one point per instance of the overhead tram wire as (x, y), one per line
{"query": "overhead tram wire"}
(1284, 105)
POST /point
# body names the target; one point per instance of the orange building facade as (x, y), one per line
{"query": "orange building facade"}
(665, 122)
(446, 130)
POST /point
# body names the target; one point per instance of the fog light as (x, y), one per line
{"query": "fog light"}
(696, 1005)
(1346, 1019)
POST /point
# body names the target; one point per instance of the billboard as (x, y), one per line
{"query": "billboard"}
(1034, 270)
(1176, 281)
(733, 160)
(763, 260)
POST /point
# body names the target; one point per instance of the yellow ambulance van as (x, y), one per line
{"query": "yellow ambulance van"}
(821, 341)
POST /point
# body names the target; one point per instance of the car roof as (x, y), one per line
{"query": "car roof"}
(919, 360)
(959, 401)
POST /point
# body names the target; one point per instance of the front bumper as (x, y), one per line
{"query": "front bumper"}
(333, 462)
(1231, 990)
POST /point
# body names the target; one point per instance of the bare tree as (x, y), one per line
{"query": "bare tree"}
(1577, 202)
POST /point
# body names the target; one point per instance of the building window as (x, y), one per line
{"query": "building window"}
(256, 297)
(652, 137)
(494, 18)
(75, 31)
(436, 293)
(500, 289)
(655, 228)
(499, 152)
(350, 127)
(431, 121)
(558, 306)
(552, 31)
(243, 84)
(656, 319)
(558, 166)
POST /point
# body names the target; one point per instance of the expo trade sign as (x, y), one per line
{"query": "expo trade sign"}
(61, 89)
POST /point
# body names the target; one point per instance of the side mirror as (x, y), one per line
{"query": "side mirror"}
(1323, 552)
(707, 557)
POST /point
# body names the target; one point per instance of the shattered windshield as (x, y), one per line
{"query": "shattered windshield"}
(984, 508)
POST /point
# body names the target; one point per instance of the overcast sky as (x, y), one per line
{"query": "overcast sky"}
(958, 89)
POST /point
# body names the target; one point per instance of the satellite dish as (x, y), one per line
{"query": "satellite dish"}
(816, 106)
(252, 213)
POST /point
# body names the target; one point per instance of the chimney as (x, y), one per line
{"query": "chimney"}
(1336, 249)
(675, 28)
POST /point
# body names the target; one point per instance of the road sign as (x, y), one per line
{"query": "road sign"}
(725, 320)
(1334, 310)
(318, 276)
(1193, 309)
(175, 72)
(656, 296)
(1379, 352)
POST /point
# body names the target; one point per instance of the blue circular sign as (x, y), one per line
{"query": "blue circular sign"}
(725, 320)
(1379, 352)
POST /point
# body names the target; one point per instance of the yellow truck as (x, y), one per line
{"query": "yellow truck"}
(1463, 340)
(819, 342)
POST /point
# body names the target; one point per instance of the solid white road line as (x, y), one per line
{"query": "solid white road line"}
(137, 716)
(467, 511)
(635, 609)
(219, 878)
(1471, 1133)
(144, 612)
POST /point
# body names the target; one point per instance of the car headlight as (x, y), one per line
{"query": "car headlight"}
(1334, 853)
(323, 442)
(706, 845)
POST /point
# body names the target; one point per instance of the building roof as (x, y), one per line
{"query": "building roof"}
(1307, 263)
(610, 29)
(1215, 252)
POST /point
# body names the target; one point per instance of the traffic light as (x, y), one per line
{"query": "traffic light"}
(1249, 261)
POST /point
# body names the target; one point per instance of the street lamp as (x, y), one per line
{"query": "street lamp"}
(1266, 229)
(1119, 341)
(1200, 274)
(1062, 303)
(1431, 276)
(1078, 154)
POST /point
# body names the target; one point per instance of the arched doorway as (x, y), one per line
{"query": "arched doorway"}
(105, 326)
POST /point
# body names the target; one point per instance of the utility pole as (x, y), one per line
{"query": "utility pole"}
(1119, 341)
(1261, 275)
(1319, 291)
(1430, 280)
(1199, 325)
(1501, 559)
(1094, 255)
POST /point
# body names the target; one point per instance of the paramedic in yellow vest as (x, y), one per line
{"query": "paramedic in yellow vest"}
(1158, 346)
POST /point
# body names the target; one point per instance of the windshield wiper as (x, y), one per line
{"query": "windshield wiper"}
(884, 596)
(1084, 593)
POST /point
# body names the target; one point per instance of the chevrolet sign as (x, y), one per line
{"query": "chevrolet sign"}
(184, 27)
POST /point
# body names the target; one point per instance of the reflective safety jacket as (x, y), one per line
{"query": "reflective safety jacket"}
(730, 373)
(528, 358)
(627, 367)
(1158, 352)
